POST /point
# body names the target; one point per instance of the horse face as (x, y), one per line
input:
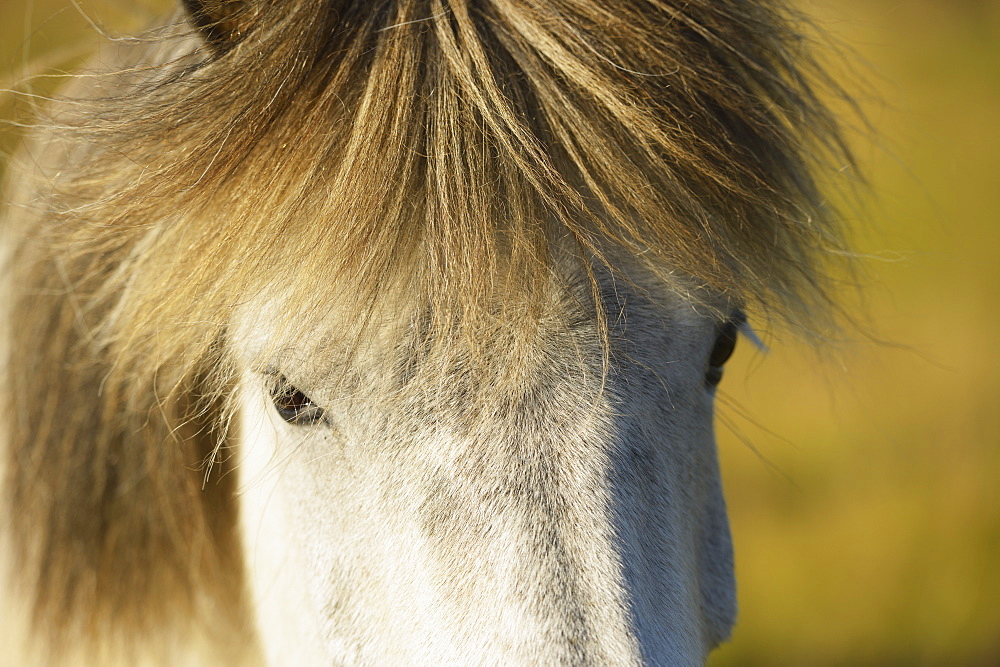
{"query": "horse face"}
(400, 508)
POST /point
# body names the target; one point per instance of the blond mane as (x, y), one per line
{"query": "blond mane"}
(446, 150)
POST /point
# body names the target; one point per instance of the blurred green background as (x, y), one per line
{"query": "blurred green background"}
(864, 482)
(867, 522)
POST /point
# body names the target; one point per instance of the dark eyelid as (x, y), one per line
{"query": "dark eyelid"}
(273, 373)
(726, 334)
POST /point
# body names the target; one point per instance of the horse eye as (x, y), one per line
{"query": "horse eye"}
(292, 405)
(725, 343)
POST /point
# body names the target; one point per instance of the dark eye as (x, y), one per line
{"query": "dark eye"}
(725, 343)
(292, 405)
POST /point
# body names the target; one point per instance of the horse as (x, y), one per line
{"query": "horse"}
(389, 331)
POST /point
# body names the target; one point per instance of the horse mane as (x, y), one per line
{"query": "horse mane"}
(443, 152)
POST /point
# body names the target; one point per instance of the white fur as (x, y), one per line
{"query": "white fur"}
(586, 529)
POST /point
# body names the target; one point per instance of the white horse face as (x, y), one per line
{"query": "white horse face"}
(403, 518)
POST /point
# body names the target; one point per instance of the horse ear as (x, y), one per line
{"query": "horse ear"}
(222, 22)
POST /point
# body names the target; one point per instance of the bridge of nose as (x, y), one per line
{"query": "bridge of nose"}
(574, 519)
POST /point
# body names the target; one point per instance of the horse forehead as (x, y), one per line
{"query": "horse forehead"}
(646, 332)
